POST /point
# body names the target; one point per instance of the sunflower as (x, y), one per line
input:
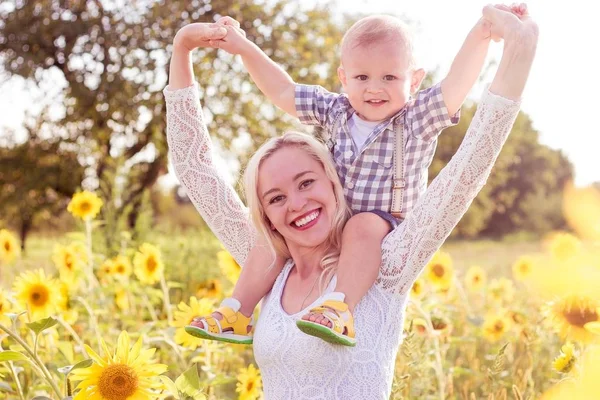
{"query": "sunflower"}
(39, 294)
(439, 270)
(501, 289)
(5, 307)
(148, 264)
(496, 326)
(581, 207)
(523, 268)
(570, 314)
(566, 359)
(67, 260)
(418, 289)
(68, 313)
(121, 267)
(106, 268)
(129, 373)
(229, 267)
(121, 299)
(85, 205)
(211, 288)
(249, 384)
(9, 249)
(475, 278)
(564, 246)
(184, 316)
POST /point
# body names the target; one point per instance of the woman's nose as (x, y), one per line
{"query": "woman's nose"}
(296, 202)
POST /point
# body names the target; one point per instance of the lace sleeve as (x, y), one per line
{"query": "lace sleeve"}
(406, 250)
(190, 151)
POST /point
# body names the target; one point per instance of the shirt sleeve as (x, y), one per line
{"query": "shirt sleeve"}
(315, 104)
(190, 151)
(408, 248)
(428, 115)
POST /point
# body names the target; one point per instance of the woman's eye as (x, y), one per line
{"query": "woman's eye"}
(275, 199)
(306, 183)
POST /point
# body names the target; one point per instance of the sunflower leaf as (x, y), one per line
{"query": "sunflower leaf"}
(42, 324)
(66, 370)
(189, 383)
(9, 355)
(169, 384)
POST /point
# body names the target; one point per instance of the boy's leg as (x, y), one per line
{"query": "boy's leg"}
(360, 259)
(256, 279)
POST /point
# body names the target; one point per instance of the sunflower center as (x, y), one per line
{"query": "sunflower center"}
(121, 269)
(7, 246)
(499, 326)
(117, 382)
(476, 278)
(580, 317)
(85, 206)
(249, 386)
(69, 261)
(38, 295)
(438, 270)
(151, 264)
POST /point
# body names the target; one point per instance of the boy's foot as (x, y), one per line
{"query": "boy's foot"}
(331, 321)
(226, 324)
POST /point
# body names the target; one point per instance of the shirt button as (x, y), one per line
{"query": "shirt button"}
(350, 185)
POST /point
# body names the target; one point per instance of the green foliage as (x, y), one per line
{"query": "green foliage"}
(524, 190)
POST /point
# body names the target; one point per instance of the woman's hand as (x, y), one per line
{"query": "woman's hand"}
(199, 34)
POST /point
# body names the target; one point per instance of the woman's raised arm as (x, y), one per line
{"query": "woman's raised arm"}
(190, 148)
(407, 249)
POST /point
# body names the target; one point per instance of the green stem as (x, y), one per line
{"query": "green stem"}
(93, 320)
(148, 305)
(72, 332)
(16, 379)
(39, 362)
(166, 299)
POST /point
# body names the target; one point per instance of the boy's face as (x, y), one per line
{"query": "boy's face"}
(378, 79)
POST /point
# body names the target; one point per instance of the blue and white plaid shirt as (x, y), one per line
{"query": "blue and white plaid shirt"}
(367, 173)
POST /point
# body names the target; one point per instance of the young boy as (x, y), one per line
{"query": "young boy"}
(382, 141)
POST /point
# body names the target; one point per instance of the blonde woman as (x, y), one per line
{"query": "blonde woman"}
(293, 176)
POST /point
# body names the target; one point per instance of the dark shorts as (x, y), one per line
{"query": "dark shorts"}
(393, 221)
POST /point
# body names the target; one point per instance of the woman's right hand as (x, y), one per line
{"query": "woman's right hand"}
(199, 34)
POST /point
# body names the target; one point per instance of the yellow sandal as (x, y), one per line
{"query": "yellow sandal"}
(336, 312)
(233, 328)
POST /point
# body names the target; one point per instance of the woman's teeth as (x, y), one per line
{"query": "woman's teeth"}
(303, 221)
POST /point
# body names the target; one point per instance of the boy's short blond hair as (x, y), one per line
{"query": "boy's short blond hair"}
(379, 29)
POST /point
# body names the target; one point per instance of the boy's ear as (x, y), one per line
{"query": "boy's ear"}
(416, 80)
(342, 75)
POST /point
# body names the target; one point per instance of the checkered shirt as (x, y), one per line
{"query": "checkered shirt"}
(367, 173)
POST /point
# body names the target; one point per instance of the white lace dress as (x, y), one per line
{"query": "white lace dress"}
(293, 364)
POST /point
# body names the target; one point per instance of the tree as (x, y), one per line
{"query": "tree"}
(524, 189)
(114, 61)
(37, 177)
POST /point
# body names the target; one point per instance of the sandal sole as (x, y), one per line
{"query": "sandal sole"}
(324, 333)
(202, 334)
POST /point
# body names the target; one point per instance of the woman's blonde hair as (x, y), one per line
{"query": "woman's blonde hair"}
(276, 241)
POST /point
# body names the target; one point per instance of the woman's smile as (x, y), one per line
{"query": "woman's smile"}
(307, 220)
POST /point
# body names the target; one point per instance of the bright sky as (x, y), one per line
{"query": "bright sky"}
(562, 92)
(561, 96)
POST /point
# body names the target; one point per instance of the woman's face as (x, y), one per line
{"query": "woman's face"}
(297, 197)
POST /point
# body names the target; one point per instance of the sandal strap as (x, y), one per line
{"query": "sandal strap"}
(338, 314)
(231, 319)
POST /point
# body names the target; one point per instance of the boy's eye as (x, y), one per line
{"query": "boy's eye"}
(362, 77)
(276, 199)
(389, 78)
(306, 183)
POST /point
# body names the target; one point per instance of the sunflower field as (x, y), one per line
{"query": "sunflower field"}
(486, 320)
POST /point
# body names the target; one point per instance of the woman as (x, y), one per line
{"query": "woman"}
(291, 177)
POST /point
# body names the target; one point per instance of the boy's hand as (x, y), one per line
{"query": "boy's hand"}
(198, 34)
(235, 41)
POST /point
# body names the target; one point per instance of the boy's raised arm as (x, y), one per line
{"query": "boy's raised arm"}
(270, 78)
(466, 67)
